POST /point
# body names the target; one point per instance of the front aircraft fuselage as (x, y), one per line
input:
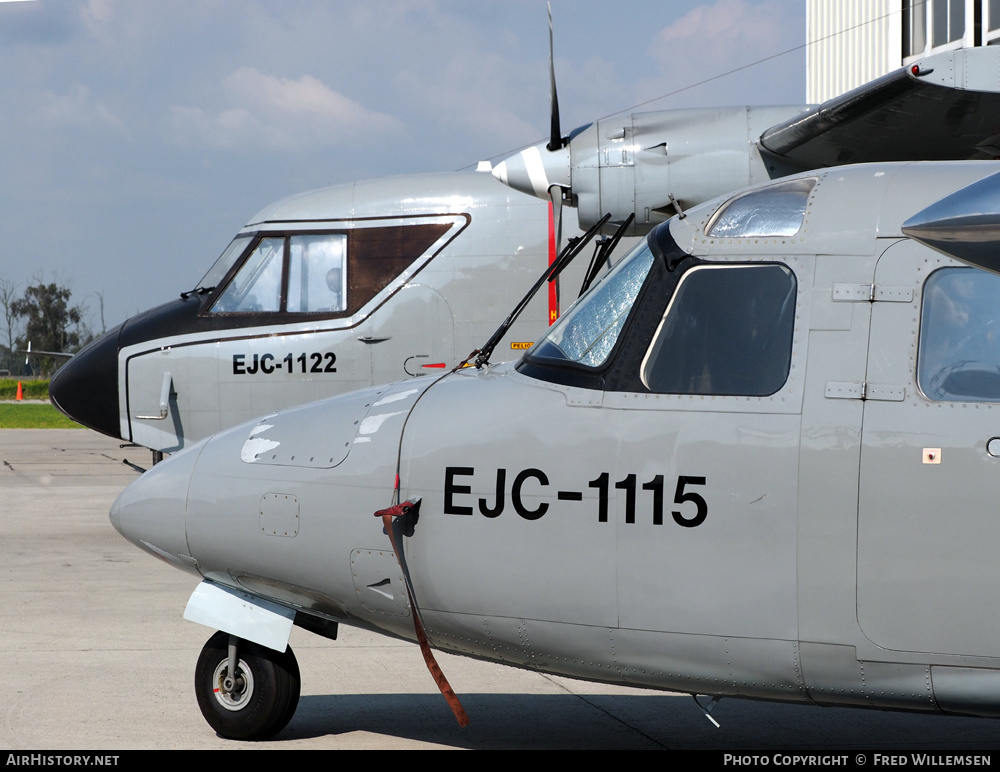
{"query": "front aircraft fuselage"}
(662, 511)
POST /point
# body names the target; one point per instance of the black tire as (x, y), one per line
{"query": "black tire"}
(268, 696)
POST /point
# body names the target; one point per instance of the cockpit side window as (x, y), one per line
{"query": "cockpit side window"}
(320, 274)
(958, 356)
(317, 276)
(727, 331)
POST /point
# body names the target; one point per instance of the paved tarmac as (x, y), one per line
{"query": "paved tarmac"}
(94, 655)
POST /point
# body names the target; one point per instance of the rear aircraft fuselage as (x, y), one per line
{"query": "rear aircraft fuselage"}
(321, 294)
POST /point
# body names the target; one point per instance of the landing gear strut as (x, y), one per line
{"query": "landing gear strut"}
(253, 700)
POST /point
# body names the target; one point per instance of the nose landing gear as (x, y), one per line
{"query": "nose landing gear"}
(252, 700)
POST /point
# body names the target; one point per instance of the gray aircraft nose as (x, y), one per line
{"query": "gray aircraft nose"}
(86, 387)
(151, 512)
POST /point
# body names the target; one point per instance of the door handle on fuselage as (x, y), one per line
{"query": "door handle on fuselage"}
(164, 400)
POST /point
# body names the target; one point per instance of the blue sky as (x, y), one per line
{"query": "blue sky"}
(139, 136)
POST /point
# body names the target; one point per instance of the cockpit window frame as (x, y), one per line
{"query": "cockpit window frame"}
(252, 276)
(375, 255)
(583, 341)
(668, 260)
(622, 370)
(764, 212)
(940, 358)
(229, 258)
(282, 311)
(767, 324)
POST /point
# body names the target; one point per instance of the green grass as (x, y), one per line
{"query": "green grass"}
(33, 415)
(37, 389)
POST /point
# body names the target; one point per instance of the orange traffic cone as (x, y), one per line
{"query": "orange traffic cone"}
(20, 393)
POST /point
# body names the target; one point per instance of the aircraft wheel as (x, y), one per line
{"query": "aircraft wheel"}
(263, 697)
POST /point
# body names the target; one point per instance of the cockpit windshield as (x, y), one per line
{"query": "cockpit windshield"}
(290, 273)
(226, 260)
(587, 332)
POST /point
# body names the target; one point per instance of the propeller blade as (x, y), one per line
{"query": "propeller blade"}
(538, 167)
(555, 136)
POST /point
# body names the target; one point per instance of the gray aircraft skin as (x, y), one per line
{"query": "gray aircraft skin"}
(434, 262)
(758, 459)
(423, 268)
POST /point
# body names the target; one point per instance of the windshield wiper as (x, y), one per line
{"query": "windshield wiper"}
(573, 247)
(196, 291)
(602, 251)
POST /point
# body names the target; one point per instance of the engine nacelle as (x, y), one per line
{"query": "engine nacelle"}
(639, 162)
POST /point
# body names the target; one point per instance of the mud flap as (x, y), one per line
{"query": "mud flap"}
(241, 614)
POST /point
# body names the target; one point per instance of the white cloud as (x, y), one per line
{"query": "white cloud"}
(280, 113)
(356, 89)
(76, 108)
(97, 12)
(714, 38)
(720, 25)
(481, 95)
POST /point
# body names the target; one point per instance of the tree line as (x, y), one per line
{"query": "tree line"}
(42, 316)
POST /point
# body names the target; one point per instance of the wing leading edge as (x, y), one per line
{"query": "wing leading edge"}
(943, 107)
